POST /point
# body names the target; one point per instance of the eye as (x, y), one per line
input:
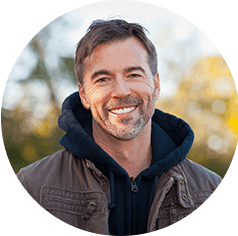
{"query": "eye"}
(135, 75)
(101, 80)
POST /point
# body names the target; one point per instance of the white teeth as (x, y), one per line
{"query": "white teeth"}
(122, 111)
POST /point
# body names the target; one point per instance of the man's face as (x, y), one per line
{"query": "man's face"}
(119, 88)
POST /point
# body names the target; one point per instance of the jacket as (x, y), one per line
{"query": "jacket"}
(76, 192)
(83, 186)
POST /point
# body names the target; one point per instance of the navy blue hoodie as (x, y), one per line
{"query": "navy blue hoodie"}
(131, 200)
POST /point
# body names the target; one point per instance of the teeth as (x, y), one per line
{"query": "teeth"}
(124, 110)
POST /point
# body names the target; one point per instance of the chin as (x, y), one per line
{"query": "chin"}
(127, 133)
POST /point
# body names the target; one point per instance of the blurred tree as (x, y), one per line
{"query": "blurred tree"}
(50, 76)
(207, 100)
(26, 139)
(66, 67)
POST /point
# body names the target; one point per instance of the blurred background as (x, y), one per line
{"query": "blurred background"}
(196, 84)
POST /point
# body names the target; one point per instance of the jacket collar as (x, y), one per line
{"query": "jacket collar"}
(173, 177)
(184, 196)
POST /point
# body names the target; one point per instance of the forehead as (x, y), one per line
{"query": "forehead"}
(117, 56)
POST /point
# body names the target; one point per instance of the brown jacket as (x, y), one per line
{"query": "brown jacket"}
(76, 192)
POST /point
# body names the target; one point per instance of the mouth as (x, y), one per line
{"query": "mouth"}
(122, 110)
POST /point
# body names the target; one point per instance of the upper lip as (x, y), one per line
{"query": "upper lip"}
(121, 107)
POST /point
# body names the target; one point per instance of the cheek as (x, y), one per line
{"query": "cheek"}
(98, 101)
(146, 93)
(95, 93)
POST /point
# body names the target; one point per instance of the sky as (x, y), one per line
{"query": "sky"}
(167, 31)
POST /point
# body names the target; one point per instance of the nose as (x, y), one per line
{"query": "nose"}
(121, 88)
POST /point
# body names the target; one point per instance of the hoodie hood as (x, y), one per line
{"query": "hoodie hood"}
(172, 139)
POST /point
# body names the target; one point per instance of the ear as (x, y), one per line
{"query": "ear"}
(157, 86)
(83, 96)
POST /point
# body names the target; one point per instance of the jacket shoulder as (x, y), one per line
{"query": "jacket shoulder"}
(198, 177)
(50, 170)
(42, 165)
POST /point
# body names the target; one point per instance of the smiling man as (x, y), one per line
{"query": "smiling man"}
(123, 169)
(120, 90)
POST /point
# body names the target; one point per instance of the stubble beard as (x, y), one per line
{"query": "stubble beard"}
(125, 133)
(130, 130)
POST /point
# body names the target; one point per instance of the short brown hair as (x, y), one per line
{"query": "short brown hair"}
(100, 32)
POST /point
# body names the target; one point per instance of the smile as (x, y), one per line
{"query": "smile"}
(123, 110)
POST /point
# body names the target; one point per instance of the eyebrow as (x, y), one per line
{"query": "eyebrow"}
(132, 68)
(106, 72)
(100, 72)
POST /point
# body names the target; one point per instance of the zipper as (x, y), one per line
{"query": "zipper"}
(134, 187)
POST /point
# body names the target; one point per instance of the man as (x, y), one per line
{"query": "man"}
(123, 169)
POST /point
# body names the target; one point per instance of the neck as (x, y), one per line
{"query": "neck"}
(133, 155)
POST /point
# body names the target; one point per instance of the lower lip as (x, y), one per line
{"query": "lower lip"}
(121, 115)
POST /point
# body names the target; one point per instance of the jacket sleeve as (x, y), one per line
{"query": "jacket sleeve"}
(22, 179)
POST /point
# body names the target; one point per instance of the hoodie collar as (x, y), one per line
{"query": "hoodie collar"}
(172, 138)
(76, 121)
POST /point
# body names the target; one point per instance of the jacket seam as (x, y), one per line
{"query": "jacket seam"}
(203, 191)
(166, 187)
(24, 179)
(51, 207)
